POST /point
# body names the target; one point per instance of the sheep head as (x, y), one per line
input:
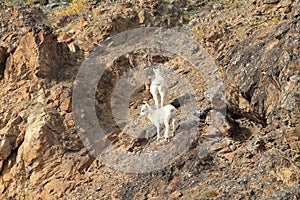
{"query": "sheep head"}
(145, 108)
(157, 72)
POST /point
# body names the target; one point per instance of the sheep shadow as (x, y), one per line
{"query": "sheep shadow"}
(182, 100)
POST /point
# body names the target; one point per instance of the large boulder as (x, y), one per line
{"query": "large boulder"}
(43, 132)
(40, 144)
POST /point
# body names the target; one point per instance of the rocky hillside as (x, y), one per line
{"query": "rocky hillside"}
(252, 153)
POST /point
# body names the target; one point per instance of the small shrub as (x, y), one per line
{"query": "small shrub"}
(198, 33)
(228, 4)
(75, 8)
(222, 71)
(41, 2)
(12, 2)
(271, 22)
(211, 194)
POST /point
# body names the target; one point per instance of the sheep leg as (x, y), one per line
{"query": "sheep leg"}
(154, 94)
(173, 124)
(158, 135)
(162, 99)
(156, 101)
(166, 130)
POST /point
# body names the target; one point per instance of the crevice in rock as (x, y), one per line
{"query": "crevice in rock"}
(236, 113)
(236, 132)
(3, 58)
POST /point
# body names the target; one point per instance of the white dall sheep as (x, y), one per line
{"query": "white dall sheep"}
(160, 116)
(158, 86)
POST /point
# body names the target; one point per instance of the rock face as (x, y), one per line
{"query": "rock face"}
(111, 19)
(263, 75)
(30, 132)
(41, 141)
(25, 44)
(5, 149)
(33, 57)
(252, 154)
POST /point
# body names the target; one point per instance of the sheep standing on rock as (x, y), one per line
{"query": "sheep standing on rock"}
(160, 116)
(158, 86)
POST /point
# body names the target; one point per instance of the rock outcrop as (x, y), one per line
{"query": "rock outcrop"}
(31, 132)
(263, 77)
(37, 55)
(86, 33)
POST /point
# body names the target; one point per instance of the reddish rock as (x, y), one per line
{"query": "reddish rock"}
(39, 136)
(66, 104)
(54, 187)
(5, 149)
(37, 55)
(213, 36)
(2, 186)
(176, 194)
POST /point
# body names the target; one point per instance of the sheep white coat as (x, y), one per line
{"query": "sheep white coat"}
(163, 115)
(158, 86)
